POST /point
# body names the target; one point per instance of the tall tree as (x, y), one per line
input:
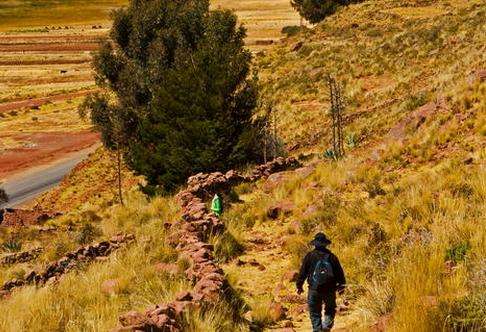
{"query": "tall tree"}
(178, 80)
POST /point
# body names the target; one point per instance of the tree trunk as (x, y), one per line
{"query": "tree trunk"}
(118, 156)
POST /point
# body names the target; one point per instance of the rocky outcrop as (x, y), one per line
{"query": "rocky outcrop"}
(70, 261)
(19, 218)
(190, 238)
(20, 257)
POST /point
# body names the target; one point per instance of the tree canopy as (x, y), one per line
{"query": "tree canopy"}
(180, 95)
(315, 11)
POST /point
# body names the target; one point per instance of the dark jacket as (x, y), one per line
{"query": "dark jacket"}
(309, 264)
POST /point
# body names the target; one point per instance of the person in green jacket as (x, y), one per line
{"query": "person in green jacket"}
(217, 205)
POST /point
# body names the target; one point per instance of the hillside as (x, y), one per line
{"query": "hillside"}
(405, 209)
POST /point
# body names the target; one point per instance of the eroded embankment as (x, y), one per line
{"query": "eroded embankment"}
(191, 239)
(20, 217)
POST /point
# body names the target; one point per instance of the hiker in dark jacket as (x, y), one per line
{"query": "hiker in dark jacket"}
(325, 277)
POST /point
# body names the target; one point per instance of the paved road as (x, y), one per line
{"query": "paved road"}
(28, 185)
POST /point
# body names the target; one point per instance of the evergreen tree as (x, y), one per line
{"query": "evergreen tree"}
(182, 94)
(315, 11)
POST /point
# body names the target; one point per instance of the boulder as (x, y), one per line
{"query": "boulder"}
(274, 180)
(132, 318)
(183, 296)
(169, 268)
(279, 209)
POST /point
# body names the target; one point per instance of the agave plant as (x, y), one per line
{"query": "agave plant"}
(12, 245)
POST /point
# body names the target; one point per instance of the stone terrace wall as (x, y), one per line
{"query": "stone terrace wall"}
(20, 257)
(70, 261)
(190, 239)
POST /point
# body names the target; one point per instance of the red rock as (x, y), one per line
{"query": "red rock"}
(180, 306)
(282, 208)
(132, 318)
(275, 180)
(183, 296)
(110, 286)
(169, 268)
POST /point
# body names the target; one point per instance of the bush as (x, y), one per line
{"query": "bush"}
(315, 11)
(12, 245)
(458, 252)
(290, 30)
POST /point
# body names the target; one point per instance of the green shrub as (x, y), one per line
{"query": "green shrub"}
(458, 252)
(12, 245)
(87, 234)
(290, 30)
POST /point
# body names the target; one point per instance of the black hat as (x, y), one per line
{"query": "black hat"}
(320, 240)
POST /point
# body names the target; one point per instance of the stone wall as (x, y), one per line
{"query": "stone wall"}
(20, 257)
(70, 261)
(190, 239)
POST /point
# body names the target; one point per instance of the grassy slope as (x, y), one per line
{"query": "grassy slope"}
(410, 195)
(391, 57)
(396, 209)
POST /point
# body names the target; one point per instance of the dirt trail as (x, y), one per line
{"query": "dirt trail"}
(265, 272)
(37, 102)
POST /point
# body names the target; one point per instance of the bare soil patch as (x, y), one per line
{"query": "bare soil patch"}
(45, 148)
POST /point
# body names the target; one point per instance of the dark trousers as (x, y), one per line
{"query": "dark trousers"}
(315, 299)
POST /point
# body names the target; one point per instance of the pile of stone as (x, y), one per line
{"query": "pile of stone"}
(205, 186)
(18, 217)
(274, 166)
(70, 261)
(20, 257)
(190, 240)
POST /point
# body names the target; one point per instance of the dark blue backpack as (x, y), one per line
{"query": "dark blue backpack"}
(323, 273)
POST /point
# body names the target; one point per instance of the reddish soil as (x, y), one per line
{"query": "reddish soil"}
(22, 62)
(21, 218)
(35, 102)
(49, 47)
(47, 148)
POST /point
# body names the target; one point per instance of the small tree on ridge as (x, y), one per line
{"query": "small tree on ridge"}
(315, 11)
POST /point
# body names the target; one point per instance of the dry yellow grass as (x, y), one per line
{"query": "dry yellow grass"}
(406, 214)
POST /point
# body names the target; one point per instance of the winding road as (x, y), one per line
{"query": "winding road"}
(26, 186)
